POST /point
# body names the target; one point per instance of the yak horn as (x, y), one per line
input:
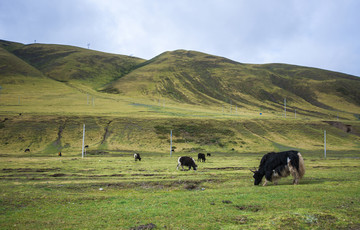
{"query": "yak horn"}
(253, 170)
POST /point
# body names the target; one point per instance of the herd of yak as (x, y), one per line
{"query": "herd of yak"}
(272, 165)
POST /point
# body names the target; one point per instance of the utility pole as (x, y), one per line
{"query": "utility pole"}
(83, 142)
(170, 143)
(325, 144)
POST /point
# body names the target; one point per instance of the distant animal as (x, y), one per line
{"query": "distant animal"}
(86, 146)
(208, 154)
(186, 161)
(201, 157)
(27, 150)
(59, 154)
(276, 165)
(137, 157)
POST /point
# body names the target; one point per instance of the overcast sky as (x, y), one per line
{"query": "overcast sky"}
(317, 33)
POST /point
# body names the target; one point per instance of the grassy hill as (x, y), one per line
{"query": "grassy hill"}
(68, 63)
(197, 78)
(129, 104)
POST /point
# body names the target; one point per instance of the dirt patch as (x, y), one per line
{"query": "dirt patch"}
(117, 175)
(344, 127)
(30, 169)
(143, 227)
(227, 168)
(143, 175)
(241, 220)
(227, 201)
(58, 175)
(321, 167)
(191, 185)
(96, 152)
(251, 208)
(325, 218)
(163, 184)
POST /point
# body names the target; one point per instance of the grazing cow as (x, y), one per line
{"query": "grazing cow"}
(186, 161)
(137, 156)
(276, 165)
(208, 154)
(27, 150)
(201, 157)
(59, 154)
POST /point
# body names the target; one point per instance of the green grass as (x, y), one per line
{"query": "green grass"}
(129, 105)
(51, 192)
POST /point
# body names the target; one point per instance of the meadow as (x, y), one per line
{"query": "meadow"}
(211, 104)
(115, 192)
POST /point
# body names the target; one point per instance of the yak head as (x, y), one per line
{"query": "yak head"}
(194, 166)
(257, 176)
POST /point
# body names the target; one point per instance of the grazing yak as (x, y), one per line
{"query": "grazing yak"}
(186, 161)
(208, 154)
(27, 150)
(276, 165)
(137, 157)
(201, 157)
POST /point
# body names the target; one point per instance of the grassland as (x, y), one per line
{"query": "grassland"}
(114, 192)
(211, 104)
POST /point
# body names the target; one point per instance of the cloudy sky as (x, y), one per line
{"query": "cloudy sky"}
(317, 33)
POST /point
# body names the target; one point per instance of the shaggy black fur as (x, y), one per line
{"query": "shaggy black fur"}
(186, 161)
(275, 162)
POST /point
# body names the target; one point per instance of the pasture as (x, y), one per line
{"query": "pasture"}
(115, 192)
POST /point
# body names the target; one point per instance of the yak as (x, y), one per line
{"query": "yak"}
(186, 161)
(137, 156)
(276, 165)
(201, 157)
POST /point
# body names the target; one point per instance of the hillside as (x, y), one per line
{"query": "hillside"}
(129, 104)
(189, 77)
(198, 78)
(68, 63)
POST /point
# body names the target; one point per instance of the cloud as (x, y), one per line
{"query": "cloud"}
(312, 33)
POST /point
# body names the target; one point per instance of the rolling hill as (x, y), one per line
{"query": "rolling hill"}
(188, 77)
(211, 103)
(68, 63)
(198, 78)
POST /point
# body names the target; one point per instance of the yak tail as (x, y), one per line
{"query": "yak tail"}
(301, 169)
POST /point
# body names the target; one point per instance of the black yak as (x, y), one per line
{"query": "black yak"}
(186, 161)
(137, 157)
(276, 165)
(201, 157)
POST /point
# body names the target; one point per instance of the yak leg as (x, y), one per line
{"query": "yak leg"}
(179, 165)
(265, 183)
(295, 174)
